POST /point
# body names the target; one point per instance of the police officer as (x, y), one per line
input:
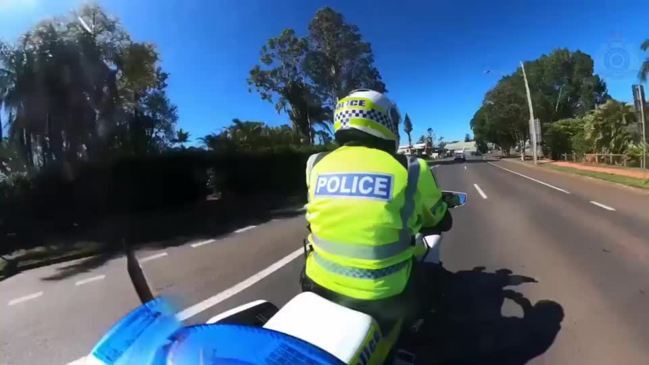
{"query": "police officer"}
(366, 203)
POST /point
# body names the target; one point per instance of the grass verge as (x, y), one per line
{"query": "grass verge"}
(46, 255)
(624, 180)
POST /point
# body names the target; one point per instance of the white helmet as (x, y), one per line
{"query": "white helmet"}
(368, 111)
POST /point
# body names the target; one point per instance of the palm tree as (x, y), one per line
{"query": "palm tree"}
(181, 138)
(644, 69)
(407, 127)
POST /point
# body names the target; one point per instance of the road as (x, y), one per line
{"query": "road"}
(580, 243)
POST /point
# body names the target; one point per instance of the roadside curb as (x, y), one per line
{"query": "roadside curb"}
(12, 268)
(589, 178)
(9, 272)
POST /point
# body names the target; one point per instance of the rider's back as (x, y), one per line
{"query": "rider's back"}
(356, 210)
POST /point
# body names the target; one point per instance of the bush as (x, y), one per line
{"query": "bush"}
(558, 136)
(55, 198)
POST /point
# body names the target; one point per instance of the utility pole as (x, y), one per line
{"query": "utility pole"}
(532, 123)
(638, 98)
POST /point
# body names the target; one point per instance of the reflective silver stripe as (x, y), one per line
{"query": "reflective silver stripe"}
(409, 204)
(356, 272)
(311, 162)
(361, 251)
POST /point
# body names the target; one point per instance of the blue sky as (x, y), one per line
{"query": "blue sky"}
(433, 55)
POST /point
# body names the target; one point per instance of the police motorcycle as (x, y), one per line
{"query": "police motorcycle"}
(307, 330)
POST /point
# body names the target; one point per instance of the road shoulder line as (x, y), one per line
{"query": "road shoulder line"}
(240, 230)
(152, 257)
(202, 243)
(25, 298)
(582, 177)
(603, 206)
(530, 178)
(90, 280)
(237, 288)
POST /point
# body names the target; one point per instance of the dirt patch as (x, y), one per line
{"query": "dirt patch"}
(629, 172)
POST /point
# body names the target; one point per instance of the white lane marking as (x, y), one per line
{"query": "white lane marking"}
(202, 243)
(244, 229)
(90, 280)
(79, 361)
(464, 167)
(482, 194)
(602, 205)
(227, 293)
(152, 257)
(530, 178)
(25, 298)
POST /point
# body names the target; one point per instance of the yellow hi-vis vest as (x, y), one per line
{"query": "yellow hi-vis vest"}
(364, 209)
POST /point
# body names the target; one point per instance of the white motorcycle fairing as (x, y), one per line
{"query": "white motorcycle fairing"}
(343, 332)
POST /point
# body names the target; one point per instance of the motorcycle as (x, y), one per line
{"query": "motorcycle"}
(308, 329)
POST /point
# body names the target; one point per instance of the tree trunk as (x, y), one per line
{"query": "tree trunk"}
(29, 153)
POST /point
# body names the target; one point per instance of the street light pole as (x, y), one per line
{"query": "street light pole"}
(532, 123)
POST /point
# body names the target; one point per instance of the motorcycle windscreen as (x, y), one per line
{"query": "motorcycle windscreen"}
(239, 344)
(138, 336)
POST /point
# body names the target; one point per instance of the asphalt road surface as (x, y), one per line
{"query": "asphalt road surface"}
(527, 235)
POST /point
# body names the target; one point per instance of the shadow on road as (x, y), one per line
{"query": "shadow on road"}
(468, 327)
(173, 227)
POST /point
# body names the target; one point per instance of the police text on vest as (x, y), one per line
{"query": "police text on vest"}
(355, 185)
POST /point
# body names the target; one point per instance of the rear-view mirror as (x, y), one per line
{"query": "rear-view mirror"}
(454, 198)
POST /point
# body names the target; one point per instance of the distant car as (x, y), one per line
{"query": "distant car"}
(459, 156)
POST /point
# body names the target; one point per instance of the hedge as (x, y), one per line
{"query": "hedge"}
(55, 198)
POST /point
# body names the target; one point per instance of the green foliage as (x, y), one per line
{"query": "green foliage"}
(281, 79)
(77, 88)
(339, 61)
(558, 136)
(251, 136)
(562, 85)
(181, 138)
(407, 127)
(634, 152)
(580, 145)
(610, 128)
(644, 69)
(304, 76)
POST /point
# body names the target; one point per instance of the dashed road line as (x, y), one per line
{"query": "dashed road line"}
(152, 257)
(202, 243)
(25, 298)
(604, 206)
(244, 229)
(464, 167)
(227, 293)
(482, 194)
(530, 178)
(90, 280)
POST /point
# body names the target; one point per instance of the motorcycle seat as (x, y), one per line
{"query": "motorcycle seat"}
(343, 332)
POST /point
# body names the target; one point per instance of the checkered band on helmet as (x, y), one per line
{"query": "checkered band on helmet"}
(388, 119)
